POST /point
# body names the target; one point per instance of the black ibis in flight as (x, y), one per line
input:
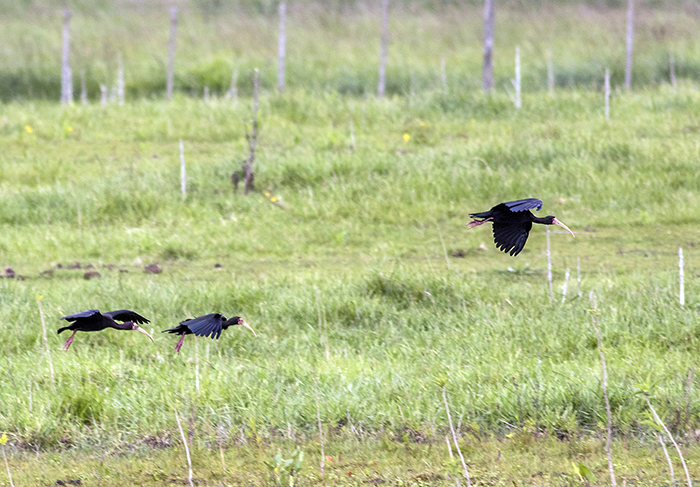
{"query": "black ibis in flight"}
(210, 325)
(512, 222)
(93, 320)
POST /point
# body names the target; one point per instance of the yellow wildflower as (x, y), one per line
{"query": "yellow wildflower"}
(28, 129)
(406, 137)
(273, 199)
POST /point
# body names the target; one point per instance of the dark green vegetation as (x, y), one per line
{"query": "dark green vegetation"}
(354, 265)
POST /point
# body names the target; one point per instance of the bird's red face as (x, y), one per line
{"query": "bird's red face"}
(557, 222)
(136, 327)
(241, 322)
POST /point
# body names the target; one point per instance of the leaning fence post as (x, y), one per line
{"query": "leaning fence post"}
(66, 76)
(171, 53)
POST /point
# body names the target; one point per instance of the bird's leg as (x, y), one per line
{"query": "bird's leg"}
(179, 344)
(69, 341)
(476, 223)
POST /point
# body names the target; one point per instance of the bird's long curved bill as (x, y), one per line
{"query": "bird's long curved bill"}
(138, 328)
(557, 222)
(248, 326)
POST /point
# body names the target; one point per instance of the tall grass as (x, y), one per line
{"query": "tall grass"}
(336, 47)
(364, 230)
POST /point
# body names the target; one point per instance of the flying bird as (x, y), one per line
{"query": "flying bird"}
(93, 320)
(210, 325)
(512, 222)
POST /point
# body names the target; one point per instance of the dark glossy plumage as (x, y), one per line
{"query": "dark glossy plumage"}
(210, 325)
(512, 222)
(93, 320)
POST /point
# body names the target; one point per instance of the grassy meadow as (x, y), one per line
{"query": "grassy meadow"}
(353, 264)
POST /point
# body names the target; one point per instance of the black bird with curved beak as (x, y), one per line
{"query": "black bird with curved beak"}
(93, 320)
(512, 222)
(210, 325)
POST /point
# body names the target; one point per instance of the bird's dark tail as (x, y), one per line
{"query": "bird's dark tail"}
(172, 330)
(60, 330)
(483, 214)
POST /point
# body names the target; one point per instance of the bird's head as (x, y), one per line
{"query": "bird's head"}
(553, 221)
(239, 321)
(136, 327)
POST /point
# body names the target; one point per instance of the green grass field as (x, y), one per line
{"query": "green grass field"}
(361, 279)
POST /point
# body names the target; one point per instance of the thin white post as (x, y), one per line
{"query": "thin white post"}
(550, 73)
(607, 94)
(187, 448)
(454, 437)
(120, 79)
(672, 71)
(604, 374)
(443, 73)
(183, 178)
(549, 265)
(565, 287)
(232, 93)
(516, 83)
(282, 46)
(46, 342)
(352, 135)
(320, 428)
(489, 16)
(630, 40)
(578, 275)
(171, 53)
(103, 96)
(206, 94)
(681, 291)
(384, 50)
(83, 88)
(66, 75)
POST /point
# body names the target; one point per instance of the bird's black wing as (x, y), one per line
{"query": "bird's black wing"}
(83, 314)
(127, 315)
(524, 205)
(511, 237)
(205, 326)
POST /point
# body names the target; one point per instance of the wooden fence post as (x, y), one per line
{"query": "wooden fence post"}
(66, 75)
(489, 16)
(282, 46)
(171, 53)
(630, 39)
(384, 49)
